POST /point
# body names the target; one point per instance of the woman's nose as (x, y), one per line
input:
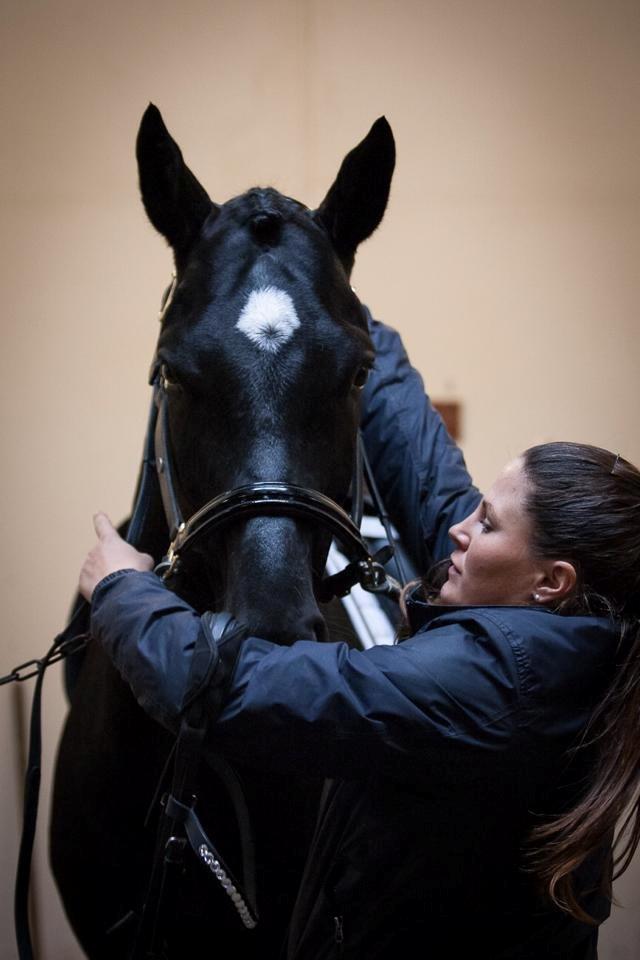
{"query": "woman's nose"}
(459, 535)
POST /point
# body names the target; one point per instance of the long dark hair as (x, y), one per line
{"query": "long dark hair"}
(584, 503)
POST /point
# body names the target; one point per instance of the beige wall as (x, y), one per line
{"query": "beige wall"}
(508, 258)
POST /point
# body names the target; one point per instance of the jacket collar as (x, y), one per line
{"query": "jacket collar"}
(421, 612)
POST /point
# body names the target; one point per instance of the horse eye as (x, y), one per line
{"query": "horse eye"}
(168, 376)
(361, 377)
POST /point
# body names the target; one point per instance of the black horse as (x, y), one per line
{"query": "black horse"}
(263, 350)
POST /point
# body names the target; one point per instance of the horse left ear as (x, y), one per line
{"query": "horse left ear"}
(176, 203)
(355, 204)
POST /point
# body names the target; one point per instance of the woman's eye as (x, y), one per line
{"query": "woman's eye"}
(361, 377)
(486, 526)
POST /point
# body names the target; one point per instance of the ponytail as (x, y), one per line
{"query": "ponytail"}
(558, 848)
(585, 507)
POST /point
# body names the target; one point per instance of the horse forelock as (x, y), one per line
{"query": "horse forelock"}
(257, 202)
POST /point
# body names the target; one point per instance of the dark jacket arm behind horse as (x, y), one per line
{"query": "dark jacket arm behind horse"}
(418, 468)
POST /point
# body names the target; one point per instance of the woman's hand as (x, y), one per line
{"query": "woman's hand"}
(111, 553)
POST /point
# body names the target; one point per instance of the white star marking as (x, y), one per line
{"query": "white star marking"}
(268, 318)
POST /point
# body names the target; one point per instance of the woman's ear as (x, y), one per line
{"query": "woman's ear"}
(556, 582)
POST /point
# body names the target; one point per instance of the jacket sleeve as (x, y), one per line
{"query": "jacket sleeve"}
(149, 634)
(418, 468)
(443, 704)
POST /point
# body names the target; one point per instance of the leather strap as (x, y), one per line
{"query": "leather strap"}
(72, 639)
(206, 687)
(147, 480)
(172, 510)
(203, 848)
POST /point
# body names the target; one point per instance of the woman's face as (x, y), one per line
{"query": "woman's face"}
(492, 561)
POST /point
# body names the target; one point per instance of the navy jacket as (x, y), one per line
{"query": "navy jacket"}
(443, 750)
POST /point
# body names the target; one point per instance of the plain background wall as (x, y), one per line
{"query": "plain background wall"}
(508, 257)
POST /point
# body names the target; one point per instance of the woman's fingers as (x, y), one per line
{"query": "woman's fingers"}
(110, 554)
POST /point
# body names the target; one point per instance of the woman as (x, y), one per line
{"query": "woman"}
(475, 791)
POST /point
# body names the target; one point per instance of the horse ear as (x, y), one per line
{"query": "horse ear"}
(176, 204)
(355, 204)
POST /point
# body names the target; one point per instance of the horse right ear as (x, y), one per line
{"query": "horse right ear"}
(356, 201)
(176, 204)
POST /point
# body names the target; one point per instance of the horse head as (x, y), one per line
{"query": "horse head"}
(263, 352)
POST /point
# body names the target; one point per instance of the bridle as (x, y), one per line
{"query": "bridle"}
(264, 498)
(256, 499)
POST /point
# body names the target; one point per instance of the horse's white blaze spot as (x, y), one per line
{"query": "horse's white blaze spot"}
(268, 318)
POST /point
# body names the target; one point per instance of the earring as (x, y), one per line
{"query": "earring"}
(536, 597)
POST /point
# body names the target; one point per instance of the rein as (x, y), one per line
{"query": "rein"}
(73, 639)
